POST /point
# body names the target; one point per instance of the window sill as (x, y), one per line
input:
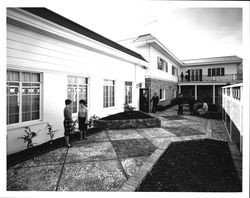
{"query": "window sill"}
(24, 124)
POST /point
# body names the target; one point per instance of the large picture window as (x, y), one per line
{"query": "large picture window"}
(77, 90)
(128, 92)
(109, 93)
(23, 96)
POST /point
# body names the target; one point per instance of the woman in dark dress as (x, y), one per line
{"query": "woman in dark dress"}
(68, 122)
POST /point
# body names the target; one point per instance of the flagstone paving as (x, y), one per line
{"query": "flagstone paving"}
(110, 160)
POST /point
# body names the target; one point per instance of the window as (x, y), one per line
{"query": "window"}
(109, 93)
(159, 63)
(174, 71)
(162, 64)
(162, 94)
(216, 71)
(23, 96)
(77, 90)
(128, 92)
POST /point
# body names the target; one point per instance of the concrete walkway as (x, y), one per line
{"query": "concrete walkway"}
(112, 160)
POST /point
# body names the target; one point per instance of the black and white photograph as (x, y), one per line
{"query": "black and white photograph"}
(125, 96)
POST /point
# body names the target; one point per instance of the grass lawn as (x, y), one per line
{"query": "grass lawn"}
(194, 166)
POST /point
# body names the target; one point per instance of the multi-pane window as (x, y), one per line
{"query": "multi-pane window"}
(128, 92)
(216, 71)
(162, 64)
(77, 90)
(23, 96)
(162, 94)
(109, 93)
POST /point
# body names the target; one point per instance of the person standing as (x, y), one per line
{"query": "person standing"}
(68, 122)
(144, 102)
(180, 104)
(82, 119)
(155, 100)
(191, 105)
(182, 76)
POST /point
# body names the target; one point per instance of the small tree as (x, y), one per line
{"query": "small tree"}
(51, 132)
(92, 119)
(28, 136)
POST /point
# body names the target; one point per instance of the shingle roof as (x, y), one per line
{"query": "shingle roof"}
(213, 60)
(62, 21)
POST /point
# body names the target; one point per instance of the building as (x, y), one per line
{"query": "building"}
(161, 77)
(167, 75)
(50, 59)
(232, 112)
(203, 78)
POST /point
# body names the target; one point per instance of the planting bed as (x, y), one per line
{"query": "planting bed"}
(128, 119)
(194, 166)
(41, 149)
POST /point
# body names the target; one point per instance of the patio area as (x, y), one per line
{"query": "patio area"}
(113, 160)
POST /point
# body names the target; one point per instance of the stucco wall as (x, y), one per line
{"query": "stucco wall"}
(153, 71)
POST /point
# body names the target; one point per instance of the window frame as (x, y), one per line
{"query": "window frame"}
(86, 79)
(20, 95)
(108, 95)
(162, 95)
(128, 97)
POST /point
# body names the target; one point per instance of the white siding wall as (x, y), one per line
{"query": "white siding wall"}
(155, 72)
(55, 59)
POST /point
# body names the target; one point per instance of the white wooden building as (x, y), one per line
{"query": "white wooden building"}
(50, 59)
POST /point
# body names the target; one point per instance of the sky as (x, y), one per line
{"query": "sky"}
(188, 32)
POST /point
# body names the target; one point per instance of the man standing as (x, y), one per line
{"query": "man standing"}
(155, 100)
(180, 104)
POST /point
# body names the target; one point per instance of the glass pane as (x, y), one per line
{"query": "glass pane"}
(26, 116)
(82, 80)
(13, 76)
(35, 77)
(13, 118)
(72, 79)
(35, 103)
(26, 103)
(26, 77)
(35, 115)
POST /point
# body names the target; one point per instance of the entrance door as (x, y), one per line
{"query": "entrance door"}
(144, 100)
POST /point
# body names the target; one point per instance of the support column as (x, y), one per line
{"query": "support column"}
(195, 92)
(179, 89)
(213, 93)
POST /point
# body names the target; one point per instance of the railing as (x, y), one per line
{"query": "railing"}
(205, 78)
(232, 113)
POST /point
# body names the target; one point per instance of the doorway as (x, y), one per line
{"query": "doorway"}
(144, 100)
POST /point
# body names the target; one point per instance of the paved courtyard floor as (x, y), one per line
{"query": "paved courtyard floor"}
(107, 160)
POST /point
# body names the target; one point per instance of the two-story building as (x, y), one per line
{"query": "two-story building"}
(161, 76)
(50, 59)
(203, 78)
(199, 78)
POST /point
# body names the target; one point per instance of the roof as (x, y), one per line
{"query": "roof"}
(148, 38)
(62, 21)
(213, 60)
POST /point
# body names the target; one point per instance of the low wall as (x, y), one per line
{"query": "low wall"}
(126, 124)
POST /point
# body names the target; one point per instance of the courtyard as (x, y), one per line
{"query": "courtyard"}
(114, 160)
